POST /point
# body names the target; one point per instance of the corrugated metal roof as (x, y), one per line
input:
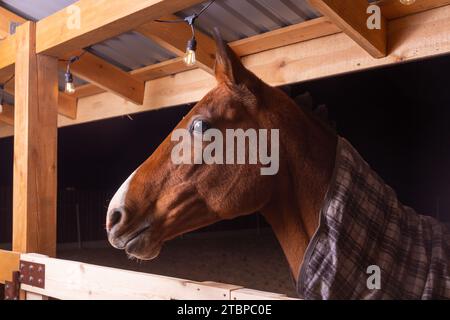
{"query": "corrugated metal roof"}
(236, 18)
(239, 19)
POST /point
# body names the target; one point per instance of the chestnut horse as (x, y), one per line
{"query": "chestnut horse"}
(161, 200)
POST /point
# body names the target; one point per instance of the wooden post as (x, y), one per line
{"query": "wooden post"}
(35, 146)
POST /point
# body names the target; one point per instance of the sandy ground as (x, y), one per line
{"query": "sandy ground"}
(248, 259)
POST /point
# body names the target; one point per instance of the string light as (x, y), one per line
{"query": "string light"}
(69, 86)
(190, 58)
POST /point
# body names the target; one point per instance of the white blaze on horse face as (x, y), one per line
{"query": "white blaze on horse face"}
(118, 201)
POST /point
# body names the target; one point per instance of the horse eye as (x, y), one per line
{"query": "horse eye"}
(200, 126)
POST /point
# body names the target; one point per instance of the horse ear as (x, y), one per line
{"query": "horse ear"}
(228, 67)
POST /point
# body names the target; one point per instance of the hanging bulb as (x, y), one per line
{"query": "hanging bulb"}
(70, 86)
(190, 57)
(407, 2)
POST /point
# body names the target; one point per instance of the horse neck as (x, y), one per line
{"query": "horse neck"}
(307, 157)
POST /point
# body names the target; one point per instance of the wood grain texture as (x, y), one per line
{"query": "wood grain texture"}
(351, 16)
(300, 32)
(414, 37)
(7, 114)
(393, 9)
(35, 145)
(100, 20)
(76, 281)
(108, 77)
(67, 105)
(6, 18)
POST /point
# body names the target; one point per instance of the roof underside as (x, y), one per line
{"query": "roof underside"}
(236, 19)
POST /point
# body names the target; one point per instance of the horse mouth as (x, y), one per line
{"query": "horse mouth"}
(138, 246)
(136, 235)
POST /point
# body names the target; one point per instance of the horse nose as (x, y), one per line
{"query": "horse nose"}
(114, 218)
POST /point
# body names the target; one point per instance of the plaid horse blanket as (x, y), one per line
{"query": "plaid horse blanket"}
(362, 225)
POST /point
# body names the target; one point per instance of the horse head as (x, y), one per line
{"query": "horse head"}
(163, 199)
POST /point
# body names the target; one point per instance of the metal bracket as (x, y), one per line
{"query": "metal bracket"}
(32, 274)
(12, 288)
(13, 26)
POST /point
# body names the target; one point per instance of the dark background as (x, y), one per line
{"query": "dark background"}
(397, 117)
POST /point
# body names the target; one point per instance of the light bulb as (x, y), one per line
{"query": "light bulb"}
(70, 86)
(190, 57)
(407, 2)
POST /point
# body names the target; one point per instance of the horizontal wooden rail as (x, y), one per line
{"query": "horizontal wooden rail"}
(75, 281)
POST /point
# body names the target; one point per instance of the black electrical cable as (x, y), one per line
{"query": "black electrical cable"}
(190, 19)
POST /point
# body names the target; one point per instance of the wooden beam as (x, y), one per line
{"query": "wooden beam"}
(9, 263)
(81, 281)
(67, 105)
(274, 39)
(7, 56)
(300, 32)
(35, 146)
(174, 37)
(393, 9)
(351, 16)
(6, 19)
(107, 77)
(414, 37)
(100, 20)
(154, 71)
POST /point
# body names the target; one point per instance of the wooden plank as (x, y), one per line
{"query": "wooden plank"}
(393, 9)
(300, 32)
(35, 145)
(284, 36)
(6, 18)
(249, 294)
(81, 281)
(154, 71)
(7, 114)
(414, 37)
(9, 263)
(174, 37)
(100, 20)
(107, 77)
(351, 16)
(6, 130)
(35, 296)
(7, 56)
(67, 105)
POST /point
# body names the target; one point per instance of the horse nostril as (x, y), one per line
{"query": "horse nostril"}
(115, 218)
